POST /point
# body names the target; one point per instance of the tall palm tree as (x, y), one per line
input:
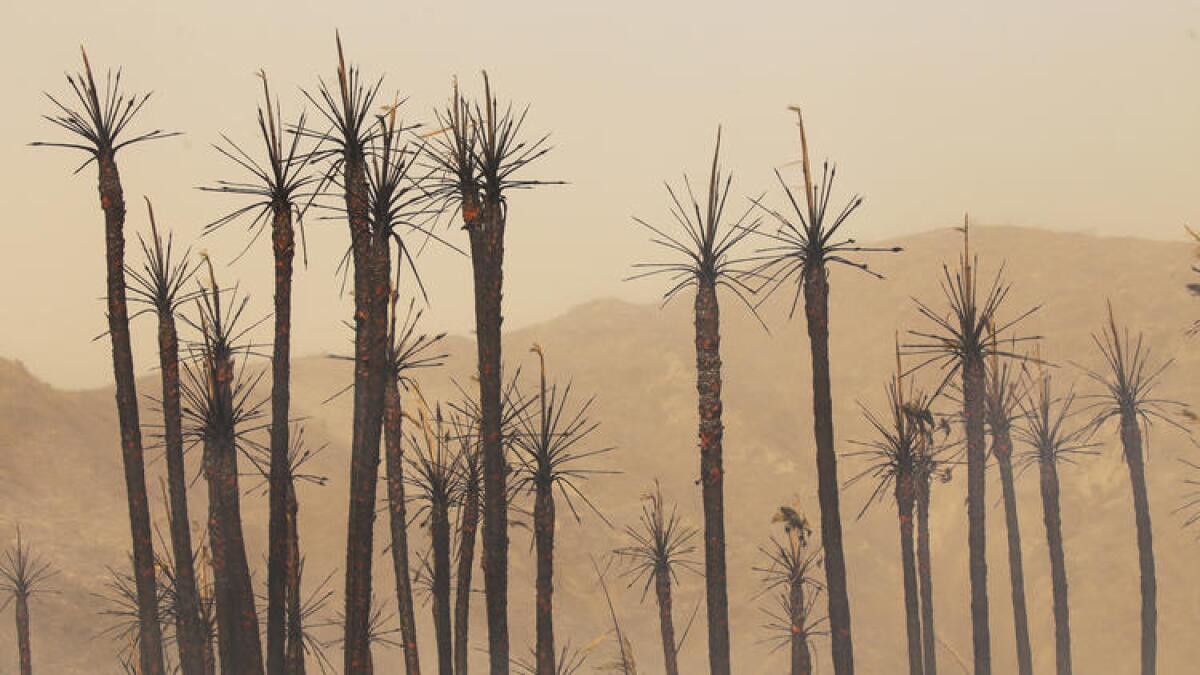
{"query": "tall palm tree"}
(478, 153)
(1046, 428)
(101, 123)
(551, 442)
(1127, 384)
(223, 413)
(789, 575)
(23, 574)
(961, 343)
(160, 285)
(931, 463)
(661, 547)
(801, 249)
(1001, 394)
(705, 260)
(274, 190)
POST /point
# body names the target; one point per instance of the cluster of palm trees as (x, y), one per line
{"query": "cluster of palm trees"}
(456, 466)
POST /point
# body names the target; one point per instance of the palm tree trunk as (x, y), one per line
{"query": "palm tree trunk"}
(816, 309)
(1002, 449)
(712, 473)
(925, 572)
(26, 654)
(283, 246)
(1052, 518)
(666, 623)
(112, 201)
(398, 520)
(912, 615)
(1131, 439)
(295, 616)
(188, 625)
(372, 289)
(801, 656)
(973, 412)
(543, 530)
(469, 523)
(487, 262)
(440, 531)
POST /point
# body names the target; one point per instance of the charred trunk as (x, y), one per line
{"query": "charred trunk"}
(925, 572)
(666, 622)
(23, 647)
(1131, 439)
(1052, 517)
(1002, 449)
(283, 247)
(801, 656)
(469, 523)
(543, 529)
(295, 611)
(440, 532)
(398, 521)
(973, 413)
(912, 615)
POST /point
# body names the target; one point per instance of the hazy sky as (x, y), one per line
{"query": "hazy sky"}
(1069, 115)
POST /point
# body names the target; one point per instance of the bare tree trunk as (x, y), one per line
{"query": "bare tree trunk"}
(487, 261)
(712, 473)
(816, 307)
(973, 413)
(372, 289)
(26, 653)
(440, 531)
(925, 572)
(666, 623)
(112, 201)
(469, 523)
(543, 532)
(1002, 449)
(1131, 439)
(188, 626)
(801, 657)
(398, 520)
(283, 247)
(912, 616)
(295, 611)
(1052, 517)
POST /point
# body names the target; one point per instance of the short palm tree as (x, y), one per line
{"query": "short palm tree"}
(788, 577)
(23, 575)
(800, 250)
(100, 127)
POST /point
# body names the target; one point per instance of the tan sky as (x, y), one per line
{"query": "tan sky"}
(1069, 115)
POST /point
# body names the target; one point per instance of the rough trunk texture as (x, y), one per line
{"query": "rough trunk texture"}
(237, 619)
(23, 647)
(112, 201)
(1131, 439)
(1002, 449)
(469, 523)
(543, 533)
(393, 421)
(666, 622)
(1052, 518)
(801, 657)
(712, 474)
(188, 626)
(912, 612)
(295, 618)
(283, 247)
(973, 413)
(816, 309)
(440, 532)
(372, 289)
(487, 262)
(925, 572)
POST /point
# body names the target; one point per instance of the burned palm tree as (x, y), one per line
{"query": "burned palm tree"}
(569, 661)
(120, 599)
(661, 547)
(433, 472)
(1128, 382)
(1046, 427)
(478, 154)
(801, 250)
(23, 575)
(961, 343)
(222, 412)
(274, 191)
(100, 123)
(705, 258)
(931, 464)
(892, 465)
(551, 444)
(1002, 391)
(160, 284)
(379, 632)
(788, 577)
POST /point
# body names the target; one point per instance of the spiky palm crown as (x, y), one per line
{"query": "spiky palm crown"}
(704, 243)
(346, 109)
(299, 454)
(102, 118)
(120, 599)
(1003, 389)
(409, 350)
(23, 573)
(160, 282)
(787, 562)
(434, 465)
(570, 660)
(379, 632)
(661, 543)
(1047, 424)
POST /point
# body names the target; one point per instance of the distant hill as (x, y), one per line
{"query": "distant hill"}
(60, 473)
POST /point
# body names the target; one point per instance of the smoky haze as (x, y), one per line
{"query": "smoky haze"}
(1075, 116)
